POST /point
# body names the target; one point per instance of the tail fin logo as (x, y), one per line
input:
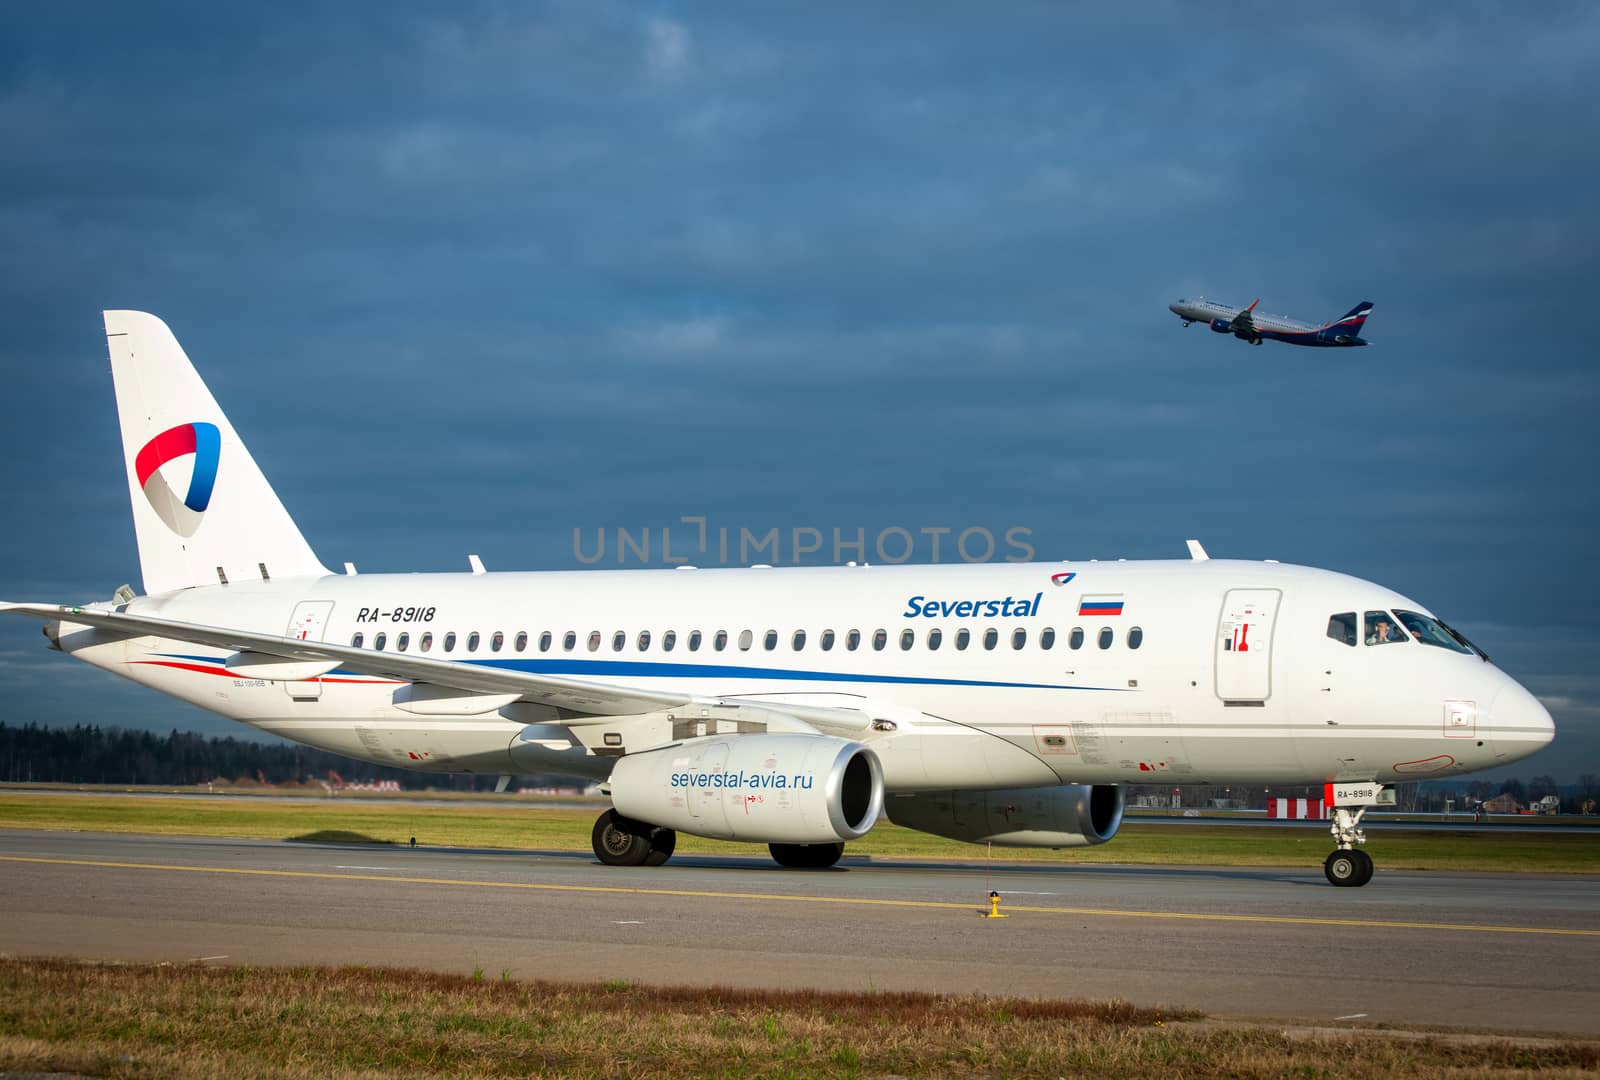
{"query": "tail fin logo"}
(201, 441)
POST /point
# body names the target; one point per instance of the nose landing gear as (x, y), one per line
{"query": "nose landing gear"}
(1348, 866)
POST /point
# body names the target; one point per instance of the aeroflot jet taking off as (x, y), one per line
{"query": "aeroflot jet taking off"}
(1255, 327)
(1004, 703)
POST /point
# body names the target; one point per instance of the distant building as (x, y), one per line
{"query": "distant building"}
(1502, 803)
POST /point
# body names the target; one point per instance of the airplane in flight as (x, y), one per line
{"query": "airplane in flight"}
(1003, 703)
(1247, 324)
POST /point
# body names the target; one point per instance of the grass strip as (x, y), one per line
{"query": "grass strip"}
(537, 828)
(193, 1021)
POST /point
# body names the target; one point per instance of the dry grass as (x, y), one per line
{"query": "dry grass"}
(125, 1021)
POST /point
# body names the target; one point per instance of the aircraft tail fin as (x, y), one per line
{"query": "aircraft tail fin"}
(203, 513)
(1355, 318)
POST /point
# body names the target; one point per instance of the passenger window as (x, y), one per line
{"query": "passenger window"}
(450, 642)
(798, 642)
(496, 641)
(1019, 638)
(402, 641)
(472, 641)
(1428, 631)
(1342, 628)
(827, 640)
(619, 640)
(1135, 637)
(569, 641)
(1047, 638)
(426, 643)
(379, 641)
(355, 640)
(644, 640)
(1381, 629)
(522, 641)
(720, 642)
(935, 636)
(908, 638)
(1075, 639)
(668, 640)
(991, 638)
(880, 638)
(852, 640)
(769, 640)
(747, 638)
(1106, 637)
(963, 638)
(544, 641)
(694, 641)
(595, 637)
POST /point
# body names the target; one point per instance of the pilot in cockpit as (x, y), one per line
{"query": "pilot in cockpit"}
(1380, 631)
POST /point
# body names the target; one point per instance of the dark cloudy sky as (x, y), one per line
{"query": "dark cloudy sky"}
(476, 275)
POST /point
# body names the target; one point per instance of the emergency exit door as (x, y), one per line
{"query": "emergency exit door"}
(1244, 644)
(306, 624)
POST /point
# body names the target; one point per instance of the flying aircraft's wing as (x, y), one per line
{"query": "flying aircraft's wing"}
(593, 699)
(1244, 321)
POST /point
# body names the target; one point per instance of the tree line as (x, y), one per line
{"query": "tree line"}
(90, 754)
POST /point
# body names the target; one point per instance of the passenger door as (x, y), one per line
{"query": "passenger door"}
(1244, 645)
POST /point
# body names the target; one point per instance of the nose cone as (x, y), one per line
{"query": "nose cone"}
(1522, 725)
(1173, 307)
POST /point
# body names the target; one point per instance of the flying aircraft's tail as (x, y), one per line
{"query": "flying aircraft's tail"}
(1355, 318)
(202, 511)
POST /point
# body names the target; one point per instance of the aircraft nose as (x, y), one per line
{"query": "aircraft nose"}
(1522, 724)
(1173, 307)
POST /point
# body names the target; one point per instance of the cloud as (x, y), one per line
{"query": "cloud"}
(667, 49)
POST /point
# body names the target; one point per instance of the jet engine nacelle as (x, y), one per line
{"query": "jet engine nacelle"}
(1221, 326)
(771, 789)
(1073, 815)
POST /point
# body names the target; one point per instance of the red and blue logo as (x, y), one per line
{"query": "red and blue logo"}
(200, 441)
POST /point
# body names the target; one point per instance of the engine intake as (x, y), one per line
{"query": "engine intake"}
(773, 789)
(1072, 815)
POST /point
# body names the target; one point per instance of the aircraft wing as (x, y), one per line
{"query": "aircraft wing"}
(593, 699)
(1245, 322)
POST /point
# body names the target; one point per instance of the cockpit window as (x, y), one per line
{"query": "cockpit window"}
(1342, 628)
(1461, 639)
(1428, 631)
(1382, 629)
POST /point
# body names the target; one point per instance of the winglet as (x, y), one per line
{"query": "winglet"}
(1196, 552)
(1253, 304)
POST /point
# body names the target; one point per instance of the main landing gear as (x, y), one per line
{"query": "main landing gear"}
(1348, 866)
(621, 841)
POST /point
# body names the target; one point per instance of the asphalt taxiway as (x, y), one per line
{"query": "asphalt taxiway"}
(1498, 951)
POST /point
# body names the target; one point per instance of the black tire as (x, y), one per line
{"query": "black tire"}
(1343, 868)
(1366, 867)
(662, 843)
(806, 856)
(618, 841)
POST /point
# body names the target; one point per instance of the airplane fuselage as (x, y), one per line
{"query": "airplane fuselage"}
(987, 676)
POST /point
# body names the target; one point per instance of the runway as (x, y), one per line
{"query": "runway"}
(1506, 952)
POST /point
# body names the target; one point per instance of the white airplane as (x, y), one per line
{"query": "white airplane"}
(986, 703)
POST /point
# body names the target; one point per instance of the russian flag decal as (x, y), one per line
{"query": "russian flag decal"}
(1100, 605)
